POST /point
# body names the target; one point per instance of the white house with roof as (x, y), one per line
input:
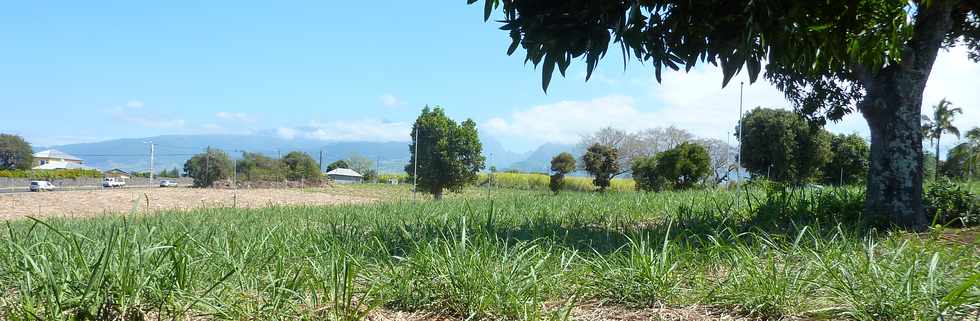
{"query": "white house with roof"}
(345, 176)
(56, 159)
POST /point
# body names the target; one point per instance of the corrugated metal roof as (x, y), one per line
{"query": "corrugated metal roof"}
(63, 165)
(344, 172)
(54, 153)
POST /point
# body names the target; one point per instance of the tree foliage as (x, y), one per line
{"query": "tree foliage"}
(338, 164)
(829, 58)
(679, 168)
(299, 166)
(15, 153)
(449, 154)
(561, 165)
(208, 167)
(963, 160)
(258, 167)
(602, 162)
(848, 162)
(782, 146)
(941, 122)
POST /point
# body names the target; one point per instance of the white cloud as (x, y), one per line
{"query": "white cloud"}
(371, 130)
(134, 104)
(696, 101)
(390, 100)
(234, 116)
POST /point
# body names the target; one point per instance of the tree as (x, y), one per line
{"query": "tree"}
(449, 154)
(963, 160)
(15, 153)
(602, 162)
(338, 164)
(848, 161)
(645, 174)
(941, 122)
(679, 168)
(258, 167)
(828, 57)
(300, 166)
(561, 165)
(208, 167)
(361, 164)
(722, 158)
(663, 138)
(782, 146)
(627, 145)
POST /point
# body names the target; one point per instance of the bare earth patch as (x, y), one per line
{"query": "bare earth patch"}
(99, 202)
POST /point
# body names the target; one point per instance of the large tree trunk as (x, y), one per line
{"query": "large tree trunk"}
(892, 106)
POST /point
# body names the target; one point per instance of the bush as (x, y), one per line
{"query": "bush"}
(949, 203)
(51, 174)
(537, 181)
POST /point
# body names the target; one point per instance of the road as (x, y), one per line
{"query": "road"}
(8, 190)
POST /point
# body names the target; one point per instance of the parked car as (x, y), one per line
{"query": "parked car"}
(113, 182)
(168, 183)
(41, 186)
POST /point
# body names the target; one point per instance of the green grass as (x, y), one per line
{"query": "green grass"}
(786, 254)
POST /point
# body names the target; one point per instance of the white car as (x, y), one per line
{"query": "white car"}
(168, 183)
(41, 186)
(113, 182)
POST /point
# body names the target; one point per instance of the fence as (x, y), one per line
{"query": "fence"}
(6, 182)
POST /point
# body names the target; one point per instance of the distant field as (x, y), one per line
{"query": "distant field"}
(522, 255)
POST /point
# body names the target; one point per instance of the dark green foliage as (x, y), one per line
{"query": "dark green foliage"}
(602, 162)
(678, 168)
(449, 154)
(963, 160)
(209, 167)
(299, 166)
(645, 174)
(171, 173)
(561, 165)
(849, 160)
(338, 164)
(15, 153)
(258, 167)
(949, 203)
(794, 148)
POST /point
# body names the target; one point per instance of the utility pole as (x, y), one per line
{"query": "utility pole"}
(279, 163)
(415, 174)
(738, 169)
(321, 159)
(152, 151)
(377, 169)
(207, 165)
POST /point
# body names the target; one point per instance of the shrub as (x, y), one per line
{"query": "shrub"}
(51, 174)
(949, 203)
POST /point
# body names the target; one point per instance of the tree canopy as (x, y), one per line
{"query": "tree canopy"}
(602, 162)
(449, 154)
(678, 168)
(829, 58)
(782, 146)
(848, 163)
(300, 166)
(15, 153)
(561, 165)
(208, 167)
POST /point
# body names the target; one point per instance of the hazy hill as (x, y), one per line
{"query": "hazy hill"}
(173, 150)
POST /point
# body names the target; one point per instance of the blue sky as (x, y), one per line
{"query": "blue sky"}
(336, 70)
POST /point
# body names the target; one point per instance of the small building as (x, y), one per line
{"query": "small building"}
(345, 176)
(54, 156)
(117, 173)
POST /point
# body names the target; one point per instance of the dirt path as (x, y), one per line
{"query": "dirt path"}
(99, 202)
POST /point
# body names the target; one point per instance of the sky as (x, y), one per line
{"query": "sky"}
(74, 72)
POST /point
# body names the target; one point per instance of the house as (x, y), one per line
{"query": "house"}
(117, 173)
(345, 176)
(63, 165)
(54, 156)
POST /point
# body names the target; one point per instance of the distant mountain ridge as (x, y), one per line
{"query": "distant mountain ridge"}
(132, 154)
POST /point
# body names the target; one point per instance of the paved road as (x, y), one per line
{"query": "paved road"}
(8, 190)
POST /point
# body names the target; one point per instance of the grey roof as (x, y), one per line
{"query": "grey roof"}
(344, 172)
(63, 165)
(54, 153)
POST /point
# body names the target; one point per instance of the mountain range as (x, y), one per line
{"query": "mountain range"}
(171, 151)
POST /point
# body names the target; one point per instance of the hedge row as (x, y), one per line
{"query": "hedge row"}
(51, 174)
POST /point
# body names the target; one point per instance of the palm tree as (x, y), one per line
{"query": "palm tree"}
(970, 151)
(942, 121)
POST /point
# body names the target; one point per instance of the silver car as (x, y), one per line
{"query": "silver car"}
(168, 183)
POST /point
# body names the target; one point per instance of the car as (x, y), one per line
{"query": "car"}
(168, 183)
(113, 182)
(41, 186)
